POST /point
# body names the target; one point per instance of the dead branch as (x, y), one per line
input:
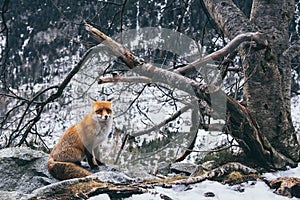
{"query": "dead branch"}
(23, 130)
(147, 69)
(230, 47)
(194, 130)
(118, 78)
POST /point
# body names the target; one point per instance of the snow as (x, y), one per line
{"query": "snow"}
(291, 172)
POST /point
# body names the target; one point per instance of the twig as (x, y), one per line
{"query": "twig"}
(122, 147)
(162, 123)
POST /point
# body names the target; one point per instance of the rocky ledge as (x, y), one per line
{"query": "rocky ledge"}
(24, 175)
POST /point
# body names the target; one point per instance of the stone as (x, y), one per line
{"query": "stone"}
(23, 170)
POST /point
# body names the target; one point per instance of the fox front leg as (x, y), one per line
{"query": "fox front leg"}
(89, 157)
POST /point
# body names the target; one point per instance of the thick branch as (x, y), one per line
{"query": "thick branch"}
(147, 69)
(230, 19)
(230, 47)
(115, 79)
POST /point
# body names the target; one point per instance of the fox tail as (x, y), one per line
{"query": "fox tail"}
(65, 170)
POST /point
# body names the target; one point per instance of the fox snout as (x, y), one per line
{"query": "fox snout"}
(103, 114)
(105, 117)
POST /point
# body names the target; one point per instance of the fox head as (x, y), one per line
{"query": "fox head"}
(101, 110)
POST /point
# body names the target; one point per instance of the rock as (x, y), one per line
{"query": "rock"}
(138, 171)
(5, 195)
(209, 194)
(22, 171)
(183, 168)
(112, 177)
(204, 167)
(286, 186)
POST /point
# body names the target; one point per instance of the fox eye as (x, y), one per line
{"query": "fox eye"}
(99, 111)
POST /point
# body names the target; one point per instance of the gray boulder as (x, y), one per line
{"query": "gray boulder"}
(22, 170)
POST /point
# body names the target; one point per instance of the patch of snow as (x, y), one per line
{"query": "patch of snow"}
(295, 108)
(291, 172)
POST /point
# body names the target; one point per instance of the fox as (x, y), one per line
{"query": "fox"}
(80, 141)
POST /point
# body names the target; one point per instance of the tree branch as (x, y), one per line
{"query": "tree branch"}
(229, 17)
(118, 78)
(147, 69)
(230, 47)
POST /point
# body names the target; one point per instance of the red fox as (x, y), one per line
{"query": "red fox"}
(81, 140)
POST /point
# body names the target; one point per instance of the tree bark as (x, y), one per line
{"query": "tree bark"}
(267, 72)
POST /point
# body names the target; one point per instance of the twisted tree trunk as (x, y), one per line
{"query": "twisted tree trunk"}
(267, 74)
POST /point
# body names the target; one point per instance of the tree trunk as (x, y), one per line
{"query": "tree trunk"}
(267, 73)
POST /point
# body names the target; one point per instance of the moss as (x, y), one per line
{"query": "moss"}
(226, 156)
(74, 190)
(236, 177)
(86, 186)
(166, 180)
(220, 157)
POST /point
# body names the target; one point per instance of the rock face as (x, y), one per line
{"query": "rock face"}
(22, 170)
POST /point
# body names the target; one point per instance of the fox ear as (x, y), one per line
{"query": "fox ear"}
(92, 100)
(110, 99)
